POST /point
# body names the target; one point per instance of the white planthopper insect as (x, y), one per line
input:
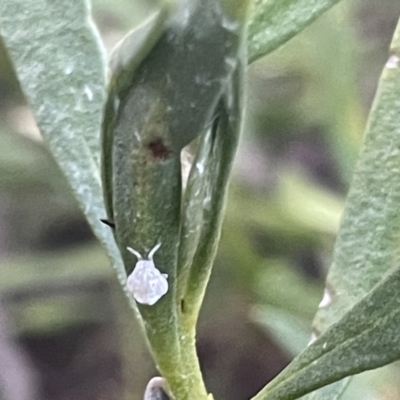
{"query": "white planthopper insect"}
(146, 283)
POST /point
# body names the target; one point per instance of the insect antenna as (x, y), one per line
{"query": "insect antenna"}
(153, 251)
(136, 253)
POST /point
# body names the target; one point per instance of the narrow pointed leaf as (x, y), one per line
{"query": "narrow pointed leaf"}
(361, 298)
(365, 338)
(155, 107)
(367, 244)
(274, 22)
(60, 64)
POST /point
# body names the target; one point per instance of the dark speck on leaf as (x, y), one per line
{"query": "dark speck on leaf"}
(107, 222)
(182, 305)
(158, 149)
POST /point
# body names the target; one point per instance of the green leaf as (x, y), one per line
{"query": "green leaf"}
(273, 22)
(60, 64)
(222, 146)
(366, 246)
(192, 214)
(367, 243)
(163, 93)
(363, 309)
(365, 338)
(330, 392)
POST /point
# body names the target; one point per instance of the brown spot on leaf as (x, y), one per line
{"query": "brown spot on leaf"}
(158, 149)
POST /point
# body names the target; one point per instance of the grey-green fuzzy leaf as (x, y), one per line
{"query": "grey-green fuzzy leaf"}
(367, 243)
(361, 307)
(274, 22)
(60, 64)
(365, 338)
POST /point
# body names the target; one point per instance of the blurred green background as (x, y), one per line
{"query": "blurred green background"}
(65, 328)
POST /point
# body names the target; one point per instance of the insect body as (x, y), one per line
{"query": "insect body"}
(146, 283)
